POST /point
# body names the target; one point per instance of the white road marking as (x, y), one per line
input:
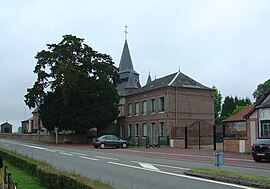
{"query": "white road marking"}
(78, 154)
(58, 150)
(50, 150)
(167, 166)
(88, 158)
(183, 176)
(148, 166)
(102, 157)
(67, 154)
(30, 146)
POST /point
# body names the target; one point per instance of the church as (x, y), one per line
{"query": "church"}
(174, 109)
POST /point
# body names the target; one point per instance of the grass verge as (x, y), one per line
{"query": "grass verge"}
(47, 175)
(24, 179)
(235, 175)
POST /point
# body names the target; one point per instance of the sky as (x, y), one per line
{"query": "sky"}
(221, 43)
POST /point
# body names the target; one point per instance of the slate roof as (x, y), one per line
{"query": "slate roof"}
(125, 62)
(149, 80)
(131, 84)
(240, 116)
(177, 79)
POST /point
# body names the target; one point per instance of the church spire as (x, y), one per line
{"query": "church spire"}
(149, 80)
(125, 62)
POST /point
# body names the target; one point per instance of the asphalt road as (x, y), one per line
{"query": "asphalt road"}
(123, 169)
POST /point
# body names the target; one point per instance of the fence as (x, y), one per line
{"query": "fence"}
(8, 179)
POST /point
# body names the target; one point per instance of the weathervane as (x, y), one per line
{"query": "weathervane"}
(126, 32)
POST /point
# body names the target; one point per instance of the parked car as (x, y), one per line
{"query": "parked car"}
(110, 141)
(261, 149)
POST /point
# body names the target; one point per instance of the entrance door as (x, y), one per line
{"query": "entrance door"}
(153, 134)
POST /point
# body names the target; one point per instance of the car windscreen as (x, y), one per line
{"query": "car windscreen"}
(263, 141)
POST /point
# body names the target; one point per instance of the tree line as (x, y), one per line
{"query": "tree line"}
(232, 105)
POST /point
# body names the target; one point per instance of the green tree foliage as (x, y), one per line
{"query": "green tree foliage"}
(261, 88)
(75, 87)
(217, 105)
(231, 105)
(238, 109)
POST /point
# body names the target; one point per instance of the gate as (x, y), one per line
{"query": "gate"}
(199, 135)
(218, 134)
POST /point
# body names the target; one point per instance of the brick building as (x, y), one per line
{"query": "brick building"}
(239, 131)
(6, 127)
(174, 107)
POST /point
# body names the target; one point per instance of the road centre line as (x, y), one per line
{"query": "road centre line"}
(50, 150)
(58, 150)
(78, 154)
(183, 176)
(67, 154)
(102, 157)
(167, 166)
(36, 147)
(88, 158)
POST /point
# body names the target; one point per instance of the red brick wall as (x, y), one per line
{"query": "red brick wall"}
(192, 105)
(231, 144)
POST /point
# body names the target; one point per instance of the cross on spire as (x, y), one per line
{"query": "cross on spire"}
(126, 32)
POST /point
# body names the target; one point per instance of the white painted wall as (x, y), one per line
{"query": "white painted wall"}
(252, 132)
(263, 114)
(242, 148)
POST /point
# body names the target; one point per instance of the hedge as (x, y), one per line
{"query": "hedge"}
(48, 176)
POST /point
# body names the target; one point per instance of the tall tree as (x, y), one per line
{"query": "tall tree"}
(232, 105)
(228, 106)
(75, 87)
(217, 105)
(261, 88)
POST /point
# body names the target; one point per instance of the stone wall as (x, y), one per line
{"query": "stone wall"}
(73, 139)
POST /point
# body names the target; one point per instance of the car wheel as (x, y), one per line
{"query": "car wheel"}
(124, 145)
(257, 159)
(102, 145)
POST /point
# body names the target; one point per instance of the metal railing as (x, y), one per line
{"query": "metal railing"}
(8, 181)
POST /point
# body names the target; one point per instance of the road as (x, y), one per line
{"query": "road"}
(123, 168)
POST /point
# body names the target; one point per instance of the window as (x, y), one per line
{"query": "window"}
(122, 131)
(153, 106)
(137, 108)
(161, 104)
(265, 129)
(137, 130)
(144, 112)
(129, 130)
(161, 129)
(129, 109)
(144, 129)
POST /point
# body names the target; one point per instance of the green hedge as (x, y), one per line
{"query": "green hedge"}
(48, 176)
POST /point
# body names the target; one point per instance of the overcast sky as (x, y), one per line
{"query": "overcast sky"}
(222, 43)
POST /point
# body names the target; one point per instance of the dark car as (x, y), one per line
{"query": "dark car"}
(110, 141)
(261, 149)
